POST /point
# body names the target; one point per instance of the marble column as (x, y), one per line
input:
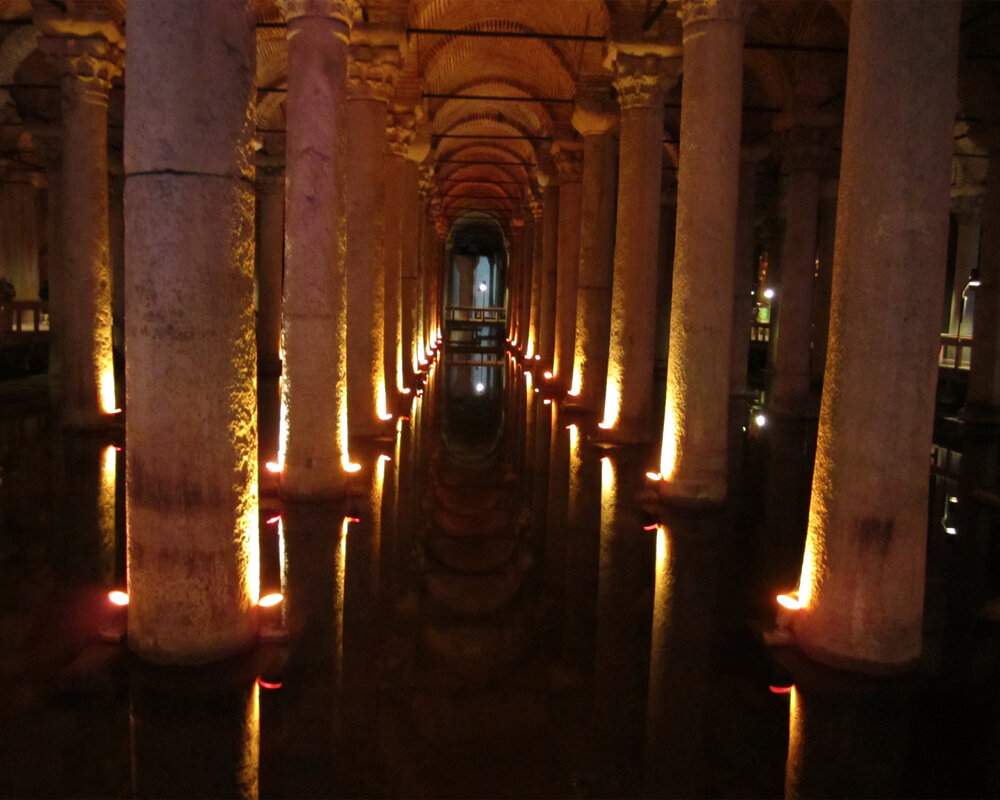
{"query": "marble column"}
(694, 453)
(399, 134)
(825, 235)
(314, 448)
(515, 286)
(982, 401)
(192, 496)
(410, 260)
(87, 66)
(862, 582)
(641, 81)
(371, 76)
(545, 346)
(804, 153)
(537, 212)
(270, 262)
(527, 278)
(569, 161)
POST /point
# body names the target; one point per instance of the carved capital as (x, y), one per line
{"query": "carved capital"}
(347, 11)
(569, 161)
(693, 11)
(92, 60)
(968, 209)
(372, 72)
(537, 208)
(595, 111)
(400, 128)
(642, 80)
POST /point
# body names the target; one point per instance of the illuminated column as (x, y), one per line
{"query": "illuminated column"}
(549, 264)
(805, 152)
(410, 259)
(982, 402)
(527, 277)
(191, 358)
(594, 119)
(270, 252)
(371, 75)
(536, 277)
(399, 135)
(641, 81)
(569, 160)
(826, 233)
(314, 450)
(87, 65)
(862, 580)
(515, 280)
(694, 449)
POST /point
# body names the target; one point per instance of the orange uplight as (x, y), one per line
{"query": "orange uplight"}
(272, 466)
(273, 520)
(268, 684)
(547, 401)
(118, 598)
(789, 602)
(538, 357)
(655, 476)
(547, 374)
(352, 519)
(651, 527)
(350, 466)
(269, 600)
(780, 689)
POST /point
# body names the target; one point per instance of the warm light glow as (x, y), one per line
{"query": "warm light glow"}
(480, 388)
(789, 602)
(651, 527)
(769, 293)
(654, 476)
(381, 405)
(106, 510)
(348, 465)
(272, 466)
(268, 685)
(780, 689)
(547, 375)
(107, 389)
(538, 358)
(118, 598)
(612, 406)
(670, 443)
(270, 600)
(274, 519)
(482, 287)
(760, 420)
(249, 768)
(547, 401)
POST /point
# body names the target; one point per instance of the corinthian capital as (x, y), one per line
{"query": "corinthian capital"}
(400, 129)
(692, 11)
(569, 161)
(642, 80)
(372, 71)
(91, 58)
(347, 11)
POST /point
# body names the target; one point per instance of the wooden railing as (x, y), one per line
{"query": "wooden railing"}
(956, 351)
(475, 314)
(15, 313)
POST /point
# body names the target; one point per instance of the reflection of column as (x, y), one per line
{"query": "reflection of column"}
(371, 74)
(192, 421)
(982, 400)
(270, 252)
(695, 433)
(88, 382)
(641, 81)
(803, 157)
(825, 235)
(399, 135)
(569, 159)
(314, 320)
(863, 571)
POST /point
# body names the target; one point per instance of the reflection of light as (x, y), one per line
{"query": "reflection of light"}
(670, 443)
(547, 375)
(349, 466)
(651, 527)
(480, 388)
(789, 602)
(272, 466)
(547, 401)
(769, 293)
(118, 598)
(268, 684)
(780, 689)
(270, 600)
(249, 773)
(538, 358)
(107, 390)
(654, 476)
(106, 509)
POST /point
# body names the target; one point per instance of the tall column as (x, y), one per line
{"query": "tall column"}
(694, 451)
(982, 401)
(825, 235)
(861, 589)
(545, 346)
(527, 279)
(569, 161)
(641, 81)
(87, 66)
(537, 212)
(399, 134)
(270, 257)
(314, 448)
(410, 259)
(371, 75)
(515, 284)
(191, 502)
(790, 328)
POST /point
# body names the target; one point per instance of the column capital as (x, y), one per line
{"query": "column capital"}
(372, 71)
(595, 110)
(568, 156)
(642, 79)
(968, 208)
(400, 129)
(92, 59)
(691, 12)
(537, 208)
(347, 11)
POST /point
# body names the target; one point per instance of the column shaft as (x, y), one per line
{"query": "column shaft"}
(549, 270)
(270, 257)
(862, 578)
(409, 267)
(191, 501)
(570, 161)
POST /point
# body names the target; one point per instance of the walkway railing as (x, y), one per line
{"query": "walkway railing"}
(956, 351)
(491, 314)
(23, 316)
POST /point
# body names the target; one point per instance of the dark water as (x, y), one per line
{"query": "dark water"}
(492, 613)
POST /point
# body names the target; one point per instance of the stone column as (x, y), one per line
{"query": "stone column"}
(537, 210)
(399, 134)
(641, 81)
(790, 328)
(982, 400)
(527, 279)
(314, 448)
(270, 259)
(569, 161)
(515, 286)
(862, 580)
(410, 260)
(545, 346)
(826, 234)
(87, 66)
(371, 75)
(191, 499)
(694, 451)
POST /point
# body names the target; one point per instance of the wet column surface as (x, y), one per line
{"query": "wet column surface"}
(862, 581)
(569, 160)
(371, 74)
(694, 451)
(192, 449)
(87, 384)
(641, 81)
(314, 383)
